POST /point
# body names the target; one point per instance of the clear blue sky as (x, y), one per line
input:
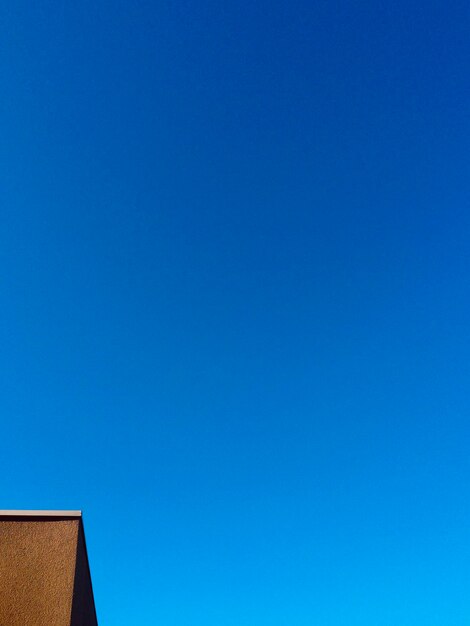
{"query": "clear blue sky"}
(235, 303)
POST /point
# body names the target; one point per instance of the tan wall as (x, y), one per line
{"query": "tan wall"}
(37, 574)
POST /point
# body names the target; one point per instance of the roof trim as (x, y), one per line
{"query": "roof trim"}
(40, 513)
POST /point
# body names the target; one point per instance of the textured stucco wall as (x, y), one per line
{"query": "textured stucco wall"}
(37, 571)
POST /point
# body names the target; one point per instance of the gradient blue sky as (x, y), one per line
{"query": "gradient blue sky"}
(235, 303)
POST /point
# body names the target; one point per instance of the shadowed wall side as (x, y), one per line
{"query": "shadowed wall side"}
(83, 606)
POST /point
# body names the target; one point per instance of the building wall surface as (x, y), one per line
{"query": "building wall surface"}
(44, 577)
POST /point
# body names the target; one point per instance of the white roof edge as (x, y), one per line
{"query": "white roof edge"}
(40, 513)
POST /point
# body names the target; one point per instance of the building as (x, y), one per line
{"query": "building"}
(44, 573)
